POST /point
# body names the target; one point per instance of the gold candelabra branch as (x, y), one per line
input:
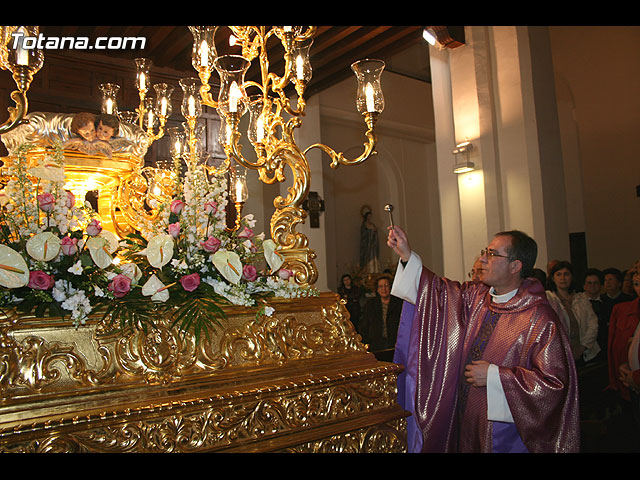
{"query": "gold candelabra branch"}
(338, 158)
(270, 133)
(24, 62)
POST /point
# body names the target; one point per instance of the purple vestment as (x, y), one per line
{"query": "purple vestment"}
(536, 370)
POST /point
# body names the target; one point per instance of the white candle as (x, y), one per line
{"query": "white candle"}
(238, 190)
(109, 106)
(234, 95)
(204, 54)
(22, 56)
(191, 106)
(260, 129)
(142, 82)
(163, 107)
(300, 67)
(368, 92)
(286, 29)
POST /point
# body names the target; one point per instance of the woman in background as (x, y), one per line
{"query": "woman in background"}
(575, 312)
(351, 293)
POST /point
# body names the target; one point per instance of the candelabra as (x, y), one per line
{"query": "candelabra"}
(24, 63)
(273, 120)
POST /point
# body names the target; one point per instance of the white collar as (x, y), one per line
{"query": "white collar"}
(504, 298)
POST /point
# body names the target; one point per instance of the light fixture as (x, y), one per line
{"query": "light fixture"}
(429, 35)
(461, 152)
(23, 63)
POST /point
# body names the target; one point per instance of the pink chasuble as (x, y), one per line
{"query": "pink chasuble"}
(529, 346)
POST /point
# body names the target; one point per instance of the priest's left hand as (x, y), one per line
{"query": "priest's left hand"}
(476, 373)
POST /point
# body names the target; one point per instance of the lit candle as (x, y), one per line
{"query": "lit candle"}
(109, 106)
(234, 95)
(286, 29)
(260, 129)
(191, 106)
(232, 40)
(142, 82)
(368, 92)
(300, 67)
(204, 54)
(163, 107)
(238, 190)
(22, 56)
(178, 147)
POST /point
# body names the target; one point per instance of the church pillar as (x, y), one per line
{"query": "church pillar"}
(497, 91)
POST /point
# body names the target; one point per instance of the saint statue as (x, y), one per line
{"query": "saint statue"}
(369, 245)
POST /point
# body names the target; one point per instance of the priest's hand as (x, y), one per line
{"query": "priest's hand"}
(476, 373)
(399, 242)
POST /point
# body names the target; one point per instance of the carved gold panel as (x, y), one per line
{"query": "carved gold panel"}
(300, 380)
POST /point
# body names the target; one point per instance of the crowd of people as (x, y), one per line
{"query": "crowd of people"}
(599, 312)
(602, 319)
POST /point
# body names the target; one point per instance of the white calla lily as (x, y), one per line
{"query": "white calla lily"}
(155, 289)
(228, 264)
(44, 246)
(112, 240)
(132, 271)
(160, 250)
(99, 251)
(14, 272)
(271, 255)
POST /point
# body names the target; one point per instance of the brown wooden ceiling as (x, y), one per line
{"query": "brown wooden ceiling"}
(333, 51)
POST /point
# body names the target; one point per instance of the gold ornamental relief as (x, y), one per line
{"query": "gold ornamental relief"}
(385, 438)
(287, 337)
(236, 420)
(61, 357)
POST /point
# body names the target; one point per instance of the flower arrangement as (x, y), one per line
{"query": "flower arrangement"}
(56, 260)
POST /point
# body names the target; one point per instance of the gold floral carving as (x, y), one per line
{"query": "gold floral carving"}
(276, 416)
(300, 380)
(162, 355)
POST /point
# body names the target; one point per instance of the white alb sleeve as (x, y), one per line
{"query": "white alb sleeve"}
(407, 279)
(497, 406)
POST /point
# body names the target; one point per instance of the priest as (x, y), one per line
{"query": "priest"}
(491, 361)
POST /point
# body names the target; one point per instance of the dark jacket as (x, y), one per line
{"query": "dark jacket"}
(371, 323)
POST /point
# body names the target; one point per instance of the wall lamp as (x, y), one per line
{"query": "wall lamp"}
(461, 152)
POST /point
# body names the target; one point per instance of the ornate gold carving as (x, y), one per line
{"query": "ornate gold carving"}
(238, 420)
(163, 355)
(298, 381)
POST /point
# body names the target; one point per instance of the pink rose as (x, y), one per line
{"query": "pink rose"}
(284, 274)
(69, 245)
(176, 206)
(46, 201)
(210, 208)
(174, 229)
(245, 233)
(40, 280)
(94, 228)
(120, 285)
(190, 282)
(71, 199)
(211, 245)
(249, 273)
